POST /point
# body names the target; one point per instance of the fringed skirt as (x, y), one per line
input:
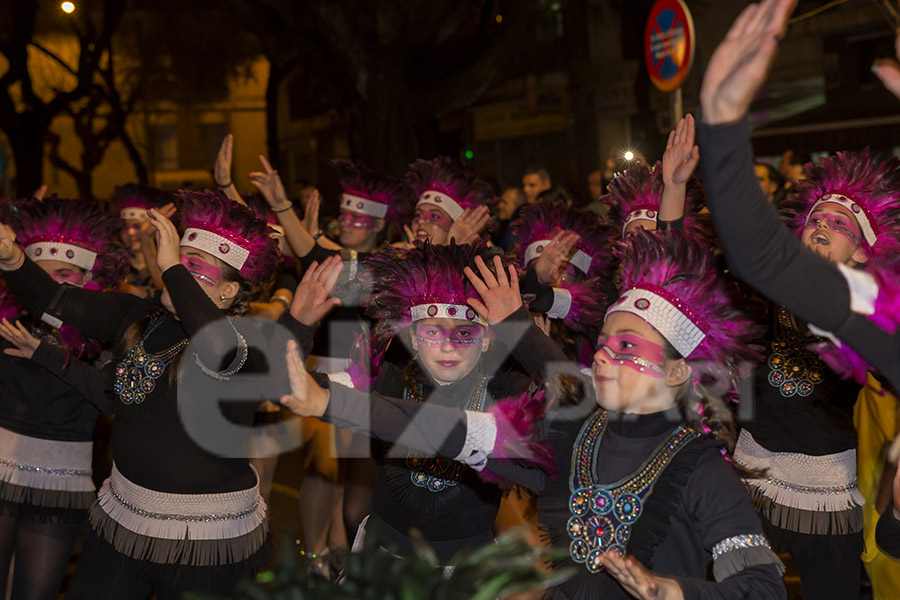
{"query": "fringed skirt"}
(801, 493)
(45, 479)
(179, 529)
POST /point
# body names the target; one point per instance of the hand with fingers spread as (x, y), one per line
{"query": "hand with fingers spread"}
(553, 257)
(639, 581)
(148, 230)
(270, 186)
(682, 155)
(10, 254)
(19, 336)
(168, 242)
(738, 67)
(311, 216)
(468, 227)
(307, 399)
(499, 293)
(888, 71)
(311, 299)
(222, 171)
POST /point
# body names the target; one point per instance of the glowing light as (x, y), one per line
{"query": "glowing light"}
(499, 18)
(68, 7)
(629, 155)
(469, 154)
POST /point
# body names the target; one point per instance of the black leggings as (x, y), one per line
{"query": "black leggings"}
(42, 546)
(106, 574)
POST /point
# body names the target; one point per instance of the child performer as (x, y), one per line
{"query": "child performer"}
(647, 500)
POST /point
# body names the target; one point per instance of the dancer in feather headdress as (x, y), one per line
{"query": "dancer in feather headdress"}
(133, 200)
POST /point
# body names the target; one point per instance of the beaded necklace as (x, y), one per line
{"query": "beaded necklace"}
(436, 474)
(603, 515)
(792, 368)
(136, 375)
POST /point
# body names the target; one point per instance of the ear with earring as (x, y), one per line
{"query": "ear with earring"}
(222, 297)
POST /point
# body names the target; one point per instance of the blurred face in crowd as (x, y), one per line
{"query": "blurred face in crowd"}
(431, 223)
(833, 232)
(359, 232)
(790, 172)
(532, 185)
(63, 272)
(768, 186)
(631, 371)
(509, 202)
(131, 232)
(595, 184)
(448, 348)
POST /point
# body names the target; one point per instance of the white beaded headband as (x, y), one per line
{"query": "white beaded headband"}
(363, 206)
(635, 215)
(441, 200)
(669, 320)
(133, 213)
(855, 209)
(68, 253)
(222, 248)
(582, 260)
(438, 310)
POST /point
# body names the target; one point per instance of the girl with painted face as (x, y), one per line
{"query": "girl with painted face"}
(46, 420)
(178, 513)
(133, 201)
(645, 501)
(420, 296)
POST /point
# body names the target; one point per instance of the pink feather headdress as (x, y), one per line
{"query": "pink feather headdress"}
(637, 194)
(71, 231)
(446, 184)
(133, 200)
(539, 222)
(230, 232)
(670, 281)
(373, 194)
(587, 305)
(868, 187)
(426, 281)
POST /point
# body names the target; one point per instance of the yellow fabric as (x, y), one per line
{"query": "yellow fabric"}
(876, 420)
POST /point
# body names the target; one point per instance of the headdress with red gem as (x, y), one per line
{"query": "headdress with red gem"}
(230, 232)
(637, 194)
(424, 282)
(446, 184)
(539, 222)
(76, 232)
(134, 199)
(866, 186)
(670, 281)
(369, 193)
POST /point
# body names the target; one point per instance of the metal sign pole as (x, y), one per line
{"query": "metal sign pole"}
(676, 105)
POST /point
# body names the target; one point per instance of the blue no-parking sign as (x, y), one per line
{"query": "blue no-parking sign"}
(669, 43)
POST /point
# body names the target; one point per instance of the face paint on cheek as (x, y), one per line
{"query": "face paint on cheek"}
(437, 219)
(837, 223)
(74, 277)
(629, 350)
(355, 220)
(202, 271)
(460, 337)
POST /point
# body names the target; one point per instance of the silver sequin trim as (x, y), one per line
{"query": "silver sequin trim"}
(185, 518)
(44, 470)
(739, 541)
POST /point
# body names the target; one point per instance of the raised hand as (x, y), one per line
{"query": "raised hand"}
(311, 299)
(17, 335)
(40, 192)
(739, 64)
(682, 155)
(468, 227)
(639, 581)
(553, 257)
(311, 216)
(168, 242)
(222, 171)
(500, 295)
(10, 253)
(270, 186)
(166, 210)
(888, 71)
(307, 399)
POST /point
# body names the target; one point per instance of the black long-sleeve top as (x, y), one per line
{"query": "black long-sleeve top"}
(887, 533)
(701, 503)
(764, 253)
(151, 444)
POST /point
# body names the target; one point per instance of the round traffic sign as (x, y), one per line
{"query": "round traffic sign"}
(669, 43)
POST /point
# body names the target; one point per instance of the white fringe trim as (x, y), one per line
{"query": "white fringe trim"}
(45, 464)
(818, 483)
(188, 516)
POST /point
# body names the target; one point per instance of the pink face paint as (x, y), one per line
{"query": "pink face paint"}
(837, 222)
(435, 216)
(202, 271)
(633, 351)
(465, 335)
(355, 220)
(73, 277)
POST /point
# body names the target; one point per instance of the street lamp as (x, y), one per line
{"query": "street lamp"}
(68, 7)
